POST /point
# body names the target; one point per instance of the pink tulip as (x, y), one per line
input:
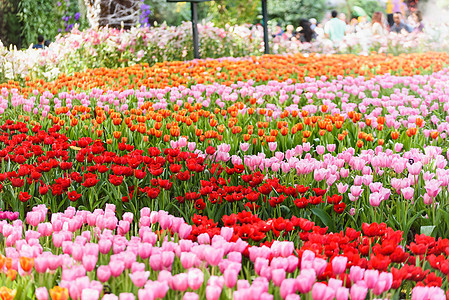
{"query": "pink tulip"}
(184, 230)
(356, 274)
(320, 149)
(342, 293)
(407, 193)
(123, 227)
(244, 147)
(116, 267)
(334, 283)
(375, 199)
(398, 147)
(42, 293)
(305, 280)
(371, 278)
(235, 257)
(89, 262)
(190, 296)
(230, 277)
(145, 294)
(164, 276)
(145, 250)
(188, 260)
(242, 284)
(320, 291)
(213, 292)
(156, 262)
(288, 286)
(214, 256)
(272, 146)
(41, 264)
(266, 296)
(104, 246)
(139, 278)
(342, 188)
(127, 296)
(203, 239)
(319, 265)
(103, 273)
(180, 282)
(384, 283)
(137, 267)
(90, 294)
(331, 147)
(195, 278)
(167, 259)
(420, 293)
(278, 275)
(415, 168)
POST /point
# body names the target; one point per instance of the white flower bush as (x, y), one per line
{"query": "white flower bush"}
(109, 47)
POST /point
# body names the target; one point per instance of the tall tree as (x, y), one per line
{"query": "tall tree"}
(292, 11)
(113, 13)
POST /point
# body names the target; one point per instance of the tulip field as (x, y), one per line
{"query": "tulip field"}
(273, 177)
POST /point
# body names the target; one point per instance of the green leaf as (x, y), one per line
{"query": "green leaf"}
(285, 210)
(427, 230)
(324, 217)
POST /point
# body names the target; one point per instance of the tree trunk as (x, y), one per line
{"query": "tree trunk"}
(113, 13)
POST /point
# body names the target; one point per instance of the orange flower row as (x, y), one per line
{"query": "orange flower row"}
(264, 68)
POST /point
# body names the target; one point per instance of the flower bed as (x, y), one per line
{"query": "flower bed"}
(113, 48)
(210, 179)
(91, 254)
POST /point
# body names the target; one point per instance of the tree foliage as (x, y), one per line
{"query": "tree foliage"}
(292, 11)
(233, 12)
(370, 6)
(10, 30)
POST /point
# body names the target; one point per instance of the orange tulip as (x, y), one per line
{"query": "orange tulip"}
(6, 293)
(359, 144)
(59, 293)
(26, 263)
(419, 122)
(213, 122)
(11, 274)
(394, 135)
(434, 134)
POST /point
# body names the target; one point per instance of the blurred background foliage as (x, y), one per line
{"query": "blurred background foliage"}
(21, 21)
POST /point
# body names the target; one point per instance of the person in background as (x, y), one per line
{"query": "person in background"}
(278, 32)
(417, 17)
(342, 16)
(319, 30)
(389, 11)
(362, 24)
(306, 33)
(40, 43)
(377, 24)
(399, 25)
(335, 28)
(289, 32)
(47, 43)
(313, 23)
